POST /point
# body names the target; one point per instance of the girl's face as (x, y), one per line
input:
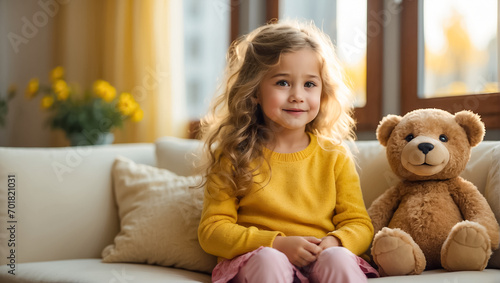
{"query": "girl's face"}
(290, 93)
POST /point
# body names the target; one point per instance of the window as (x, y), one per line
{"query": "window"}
(449, 57)
(459, 41)
(206, 39)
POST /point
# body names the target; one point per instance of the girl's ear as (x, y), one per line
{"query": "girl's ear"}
(255, 100)
(256, 97)
(386, 127)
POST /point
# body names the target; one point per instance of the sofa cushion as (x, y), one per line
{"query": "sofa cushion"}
(159, 215)
(178, 155)
(93, 270)
(374, 171)
(443, 276)
(492, 194)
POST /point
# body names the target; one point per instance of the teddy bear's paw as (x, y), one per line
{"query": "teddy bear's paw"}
(395, 253)
(467, 247)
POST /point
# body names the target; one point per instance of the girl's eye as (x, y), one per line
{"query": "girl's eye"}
(309, 84)
(282, 83)
(443, 138)
(409, 137)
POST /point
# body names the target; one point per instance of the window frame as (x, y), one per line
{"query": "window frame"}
(368, 116)
(487, 105)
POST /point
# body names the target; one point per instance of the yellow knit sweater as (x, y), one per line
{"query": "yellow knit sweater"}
(313, 192)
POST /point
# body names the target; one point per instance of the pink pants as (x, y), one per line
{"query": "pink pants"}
(334, 264)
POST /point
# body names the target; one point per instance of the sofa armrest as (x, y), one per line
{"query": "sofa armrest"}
(60, 200)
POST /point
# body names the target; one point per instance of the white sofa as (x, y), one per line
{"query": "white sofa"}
(65, 211)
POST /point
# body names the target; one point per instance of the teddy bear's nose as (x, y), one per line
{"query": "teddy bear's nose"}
(425, 147)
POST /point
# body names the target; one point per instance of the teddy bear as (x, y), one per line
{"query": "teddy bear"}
(432, 218)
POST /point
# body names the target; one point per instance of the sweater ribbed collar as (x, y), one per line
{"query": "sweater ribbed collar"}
(294, 156)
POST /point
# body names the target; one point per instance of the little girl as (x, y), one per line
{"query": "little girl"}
(282, 199)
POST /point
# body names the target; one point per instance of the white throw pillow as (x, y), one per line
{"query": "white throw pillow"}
(159, 216)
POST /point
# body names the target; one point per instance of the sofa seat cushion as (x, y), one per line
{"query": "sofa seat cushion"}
(94, 270)
(442, 276)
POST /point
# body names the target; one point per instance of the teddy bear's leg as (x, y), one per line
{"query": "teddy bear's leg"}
(395, 253)
(467, 247)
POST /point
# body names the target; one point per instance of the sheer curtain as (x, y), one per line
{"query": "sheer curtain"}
(126, 42)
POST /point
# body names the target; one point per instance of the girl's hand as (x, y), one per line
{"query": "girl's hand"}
(329, 241)
(301, 251)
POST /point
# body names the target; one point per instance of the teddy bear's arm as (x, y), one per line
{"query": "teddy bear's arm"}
(382, 209)
(474, 207)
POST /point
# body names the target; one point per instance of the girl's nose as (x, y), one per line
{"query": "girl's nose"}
(296, 94)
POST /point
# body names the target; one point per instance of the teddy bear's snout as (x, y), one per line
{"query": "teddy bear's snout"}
(424, 156)
(425, 147)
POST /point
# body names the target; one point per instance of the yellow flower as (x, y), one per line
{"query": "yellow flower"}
(47, 102)
(100, 86)
(56, 74)
(109, 94)
(104, 90)
(63, 95)
(61, 89)
(126, 104)
(137, 115)
(32, 89)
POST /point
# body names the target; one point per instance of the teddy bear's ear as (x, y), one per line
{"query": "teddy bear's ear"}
(472, 124)
(386, 126)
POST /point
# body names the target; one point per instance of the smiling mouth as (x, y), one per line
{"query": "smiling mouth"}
(294, 110)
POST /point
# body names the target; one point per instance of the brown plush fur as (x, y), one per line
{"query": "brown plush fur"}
(433, 218)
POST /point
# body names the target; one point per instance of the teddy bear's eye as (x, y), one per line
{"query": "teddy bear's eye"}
(443, 138)
(409, 137)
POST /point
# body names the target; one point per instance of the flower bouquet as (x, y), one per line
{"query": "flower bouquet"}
(87, 118)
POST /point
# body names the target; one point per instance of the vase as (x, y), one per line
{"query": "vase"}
(81, 139)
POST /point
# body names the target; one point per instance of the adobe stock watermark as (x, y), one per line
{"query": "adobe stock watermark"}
(375, 25)
(223, 7)
(149, 82)
(32, 25)
(72, 160)
(473, 101)
(75, 156)
(120, 277)
(391, 178)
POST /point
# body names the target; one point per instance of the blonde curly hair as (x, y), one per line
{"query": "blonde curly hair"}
(234, 132)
